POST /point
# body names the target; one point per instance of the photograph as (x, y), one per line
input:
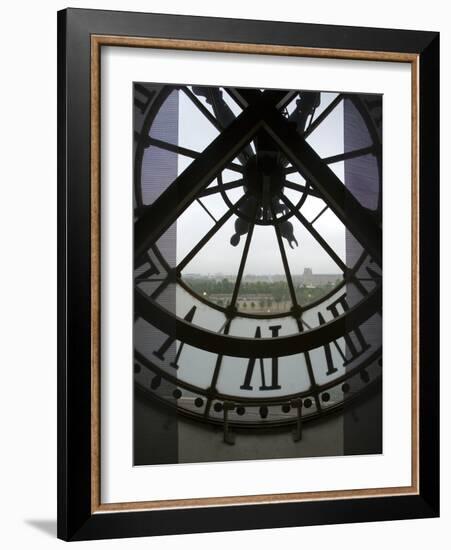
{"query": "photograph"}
(257, 314)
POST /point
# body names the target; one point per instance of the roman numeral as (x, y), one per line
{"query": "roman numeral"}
(371, 275)
(146, 97)
(374, 275)
(274, 366)
(327, 351)
(151, 270)
(355, 343)
(160, 353)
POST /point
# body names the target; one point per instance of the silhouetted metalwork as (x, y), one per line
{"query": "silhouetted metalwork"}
(263, 144)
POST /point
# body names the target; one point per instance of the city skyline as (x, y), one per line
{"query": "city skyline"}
(307, 270)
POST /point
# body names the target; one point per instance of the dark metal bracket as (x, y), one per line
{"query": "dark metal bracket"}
(229, 437)
(297, 432)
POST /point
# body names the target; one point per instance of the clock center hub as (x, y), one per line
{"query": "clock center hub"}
(264, 177)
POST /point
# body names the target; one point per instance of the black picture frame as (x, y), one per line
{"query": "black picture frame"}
(76, 518)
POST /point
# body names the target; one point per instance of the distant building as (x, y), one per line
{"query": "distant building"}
(308, 278)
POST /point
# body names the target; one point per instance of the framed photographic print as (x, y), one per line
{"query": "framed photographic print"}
(248, 274)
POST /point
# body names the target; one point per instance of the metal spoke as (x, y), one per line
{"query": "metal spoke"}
(184, 151)
(350, 155)
(224, 187)
(208, 236)
(316, 218)
(171, 147)
(301, 188)
(235, 167)
(323, 115)
(202, 108)
(287, 99)
(291, 170)
(243, 260)
(206, 210)
(286, 266)
(315, 234)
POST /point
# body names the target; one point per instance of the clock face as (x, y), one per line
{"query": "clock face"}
(257, 256)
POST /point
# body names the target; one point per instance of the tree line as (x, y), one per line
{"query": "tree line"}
(277, 290)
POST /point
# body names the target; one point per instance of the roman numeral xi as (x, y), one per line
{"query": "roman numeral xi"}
(274, 373)
(162, 350)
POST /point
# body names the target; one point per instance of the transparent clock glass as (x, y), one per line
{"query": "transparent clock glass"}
(257, 273)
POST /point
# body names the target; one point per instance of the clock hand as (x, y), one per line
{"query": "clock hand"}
(241, 225)
(286, 231)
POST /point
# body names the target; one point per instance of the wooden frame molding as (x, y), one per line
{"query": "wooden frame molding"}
(97, 41)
